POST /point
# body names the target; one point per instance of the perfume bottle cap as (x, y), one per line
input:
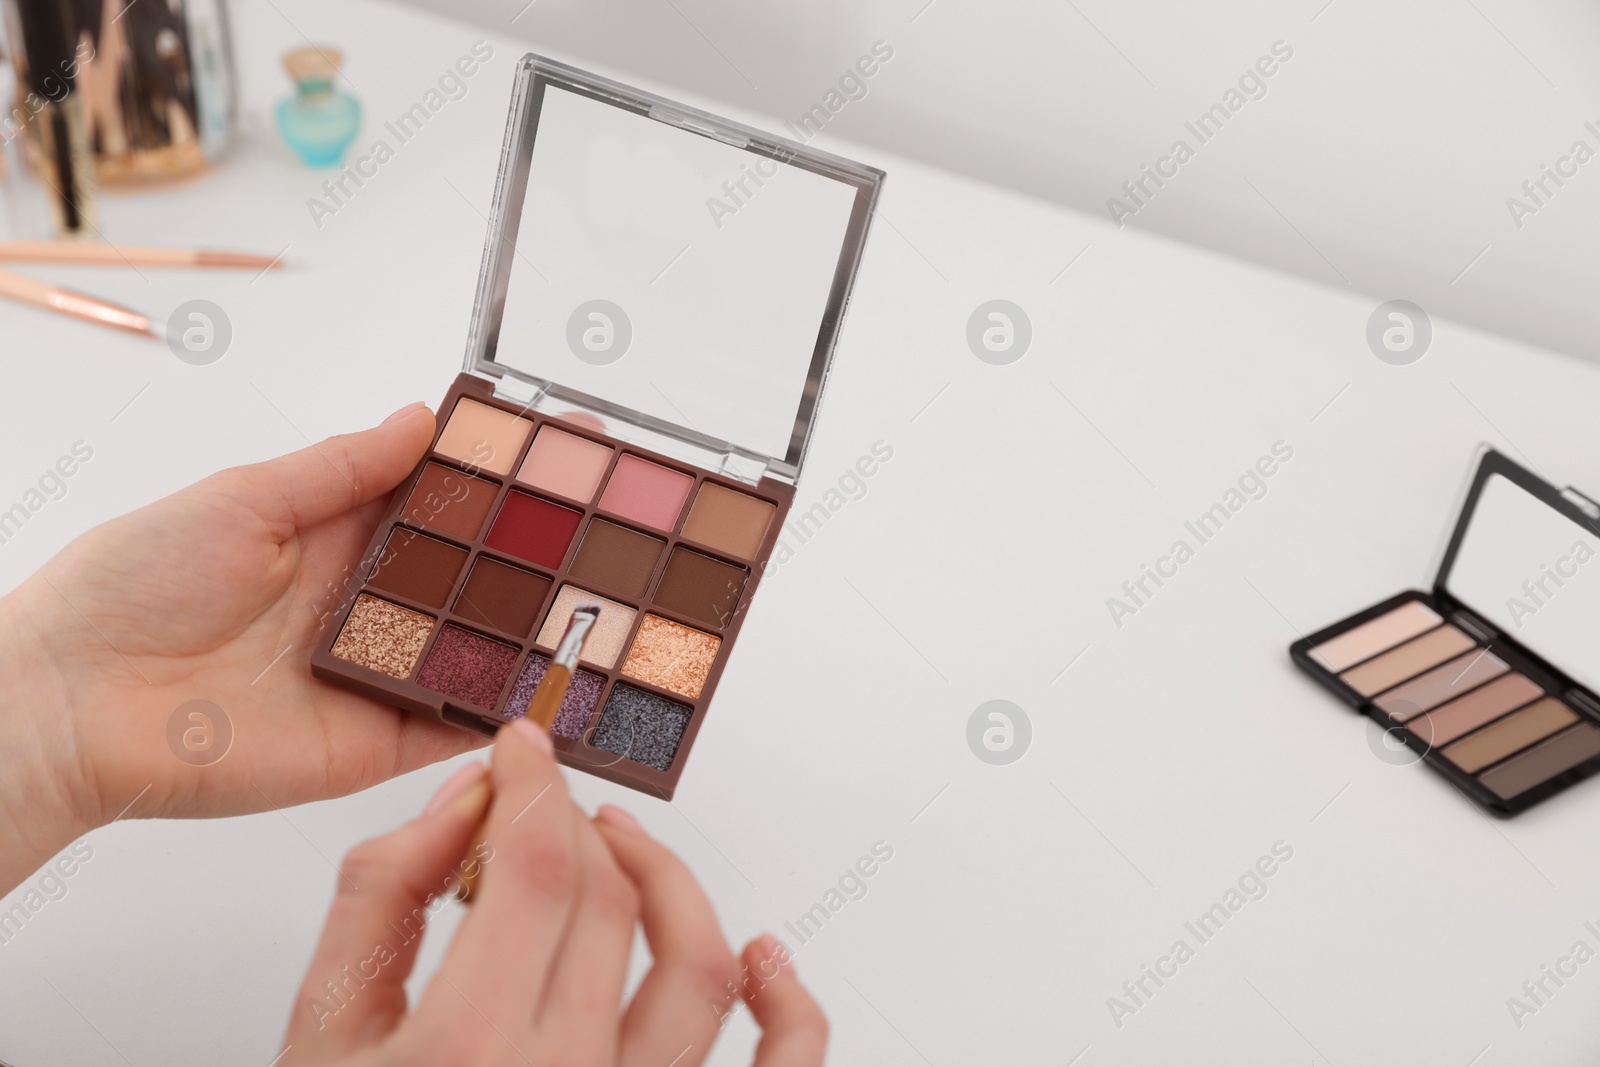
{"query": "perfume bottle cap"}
(312, 63)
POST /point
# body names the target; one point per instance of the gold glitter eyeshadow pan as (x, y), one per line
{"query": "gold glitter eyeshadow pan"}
(1490, 677)
(636, 404)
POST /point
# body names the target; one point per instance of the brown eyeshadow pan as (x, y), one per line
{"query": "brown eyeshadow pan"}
(728, 520)
(450, 501)
(501, 596)
(1543, 762)
(418, 567)
(701, 588)
(1514, 732)
(617, 558)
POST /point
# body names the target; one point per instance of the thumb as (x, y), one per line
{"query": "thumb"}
(326, 480)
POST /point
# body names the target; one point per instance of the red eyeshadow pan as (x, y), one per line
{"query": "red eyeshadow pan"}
(533, 529)
(646, 492)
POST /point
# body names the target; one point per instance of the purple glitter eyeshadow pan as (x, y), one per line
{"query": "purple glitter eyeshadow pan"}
(582, 697)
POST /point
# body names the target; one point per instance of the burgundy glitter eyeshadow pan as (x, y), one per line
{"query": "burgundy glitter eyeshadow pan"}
(468, 666)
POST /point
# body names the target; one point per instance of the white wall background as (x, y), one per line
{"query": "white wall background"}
(1379, 160)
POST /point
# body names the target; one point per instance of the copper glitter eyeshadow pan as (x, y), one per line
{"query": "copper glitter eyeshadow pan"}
(473, 576)
(628, 428)
(1486, 677)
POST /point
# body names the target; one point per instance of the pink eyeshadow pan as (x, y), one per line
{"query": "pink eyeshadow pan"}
(646, 492)
(565, 464)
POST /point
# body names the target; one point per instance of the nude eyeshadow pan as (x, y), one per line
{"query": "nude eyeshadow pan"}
(725, 520)
(512, 520)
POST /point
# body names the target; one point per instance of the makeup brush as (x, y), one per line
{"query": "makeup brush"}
(80, 306)
(78, 254)
(542, 709)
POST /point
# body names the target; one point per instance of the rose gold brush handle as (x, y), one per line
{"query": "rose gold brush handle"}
(542, 709)
(75, 253)
(27, 290)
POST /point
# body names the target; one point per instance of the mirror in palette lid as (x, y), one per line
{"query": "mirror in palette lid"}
(677, 279)
(1525, 558)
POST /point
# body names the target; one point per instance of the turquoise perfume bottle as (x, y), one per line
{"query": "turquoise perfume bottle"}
(319, 121)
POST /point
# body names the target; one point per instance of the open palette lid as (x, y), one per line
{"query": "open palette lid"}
(678, 276)
(1525, 558)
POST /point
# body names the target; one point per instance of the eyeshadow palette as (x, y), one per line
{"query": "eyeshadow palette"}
(1490, 676)
(651, 480)
(473, 578)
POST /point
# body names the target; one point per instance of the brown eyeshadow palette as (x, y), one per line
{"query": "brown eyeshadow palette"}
(640, 387)
(1467, 675)
(511, 521)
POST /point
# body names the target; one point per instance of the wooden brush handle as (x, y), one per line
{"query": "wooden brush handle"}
(542, 709)
(547, 698)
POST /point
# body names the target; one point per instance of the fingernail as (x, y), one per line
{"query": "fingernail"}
(530, 732)
(773, 950)
(473, 802)
(454, 786)
(620, 819)
(403, 412)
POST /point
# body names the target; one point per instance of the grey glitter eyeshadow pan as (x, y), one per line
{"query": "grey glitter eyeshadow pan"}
(642, 727)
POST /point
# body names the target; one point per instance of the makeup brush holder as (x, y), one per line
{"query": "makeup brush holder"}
(155, 82)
